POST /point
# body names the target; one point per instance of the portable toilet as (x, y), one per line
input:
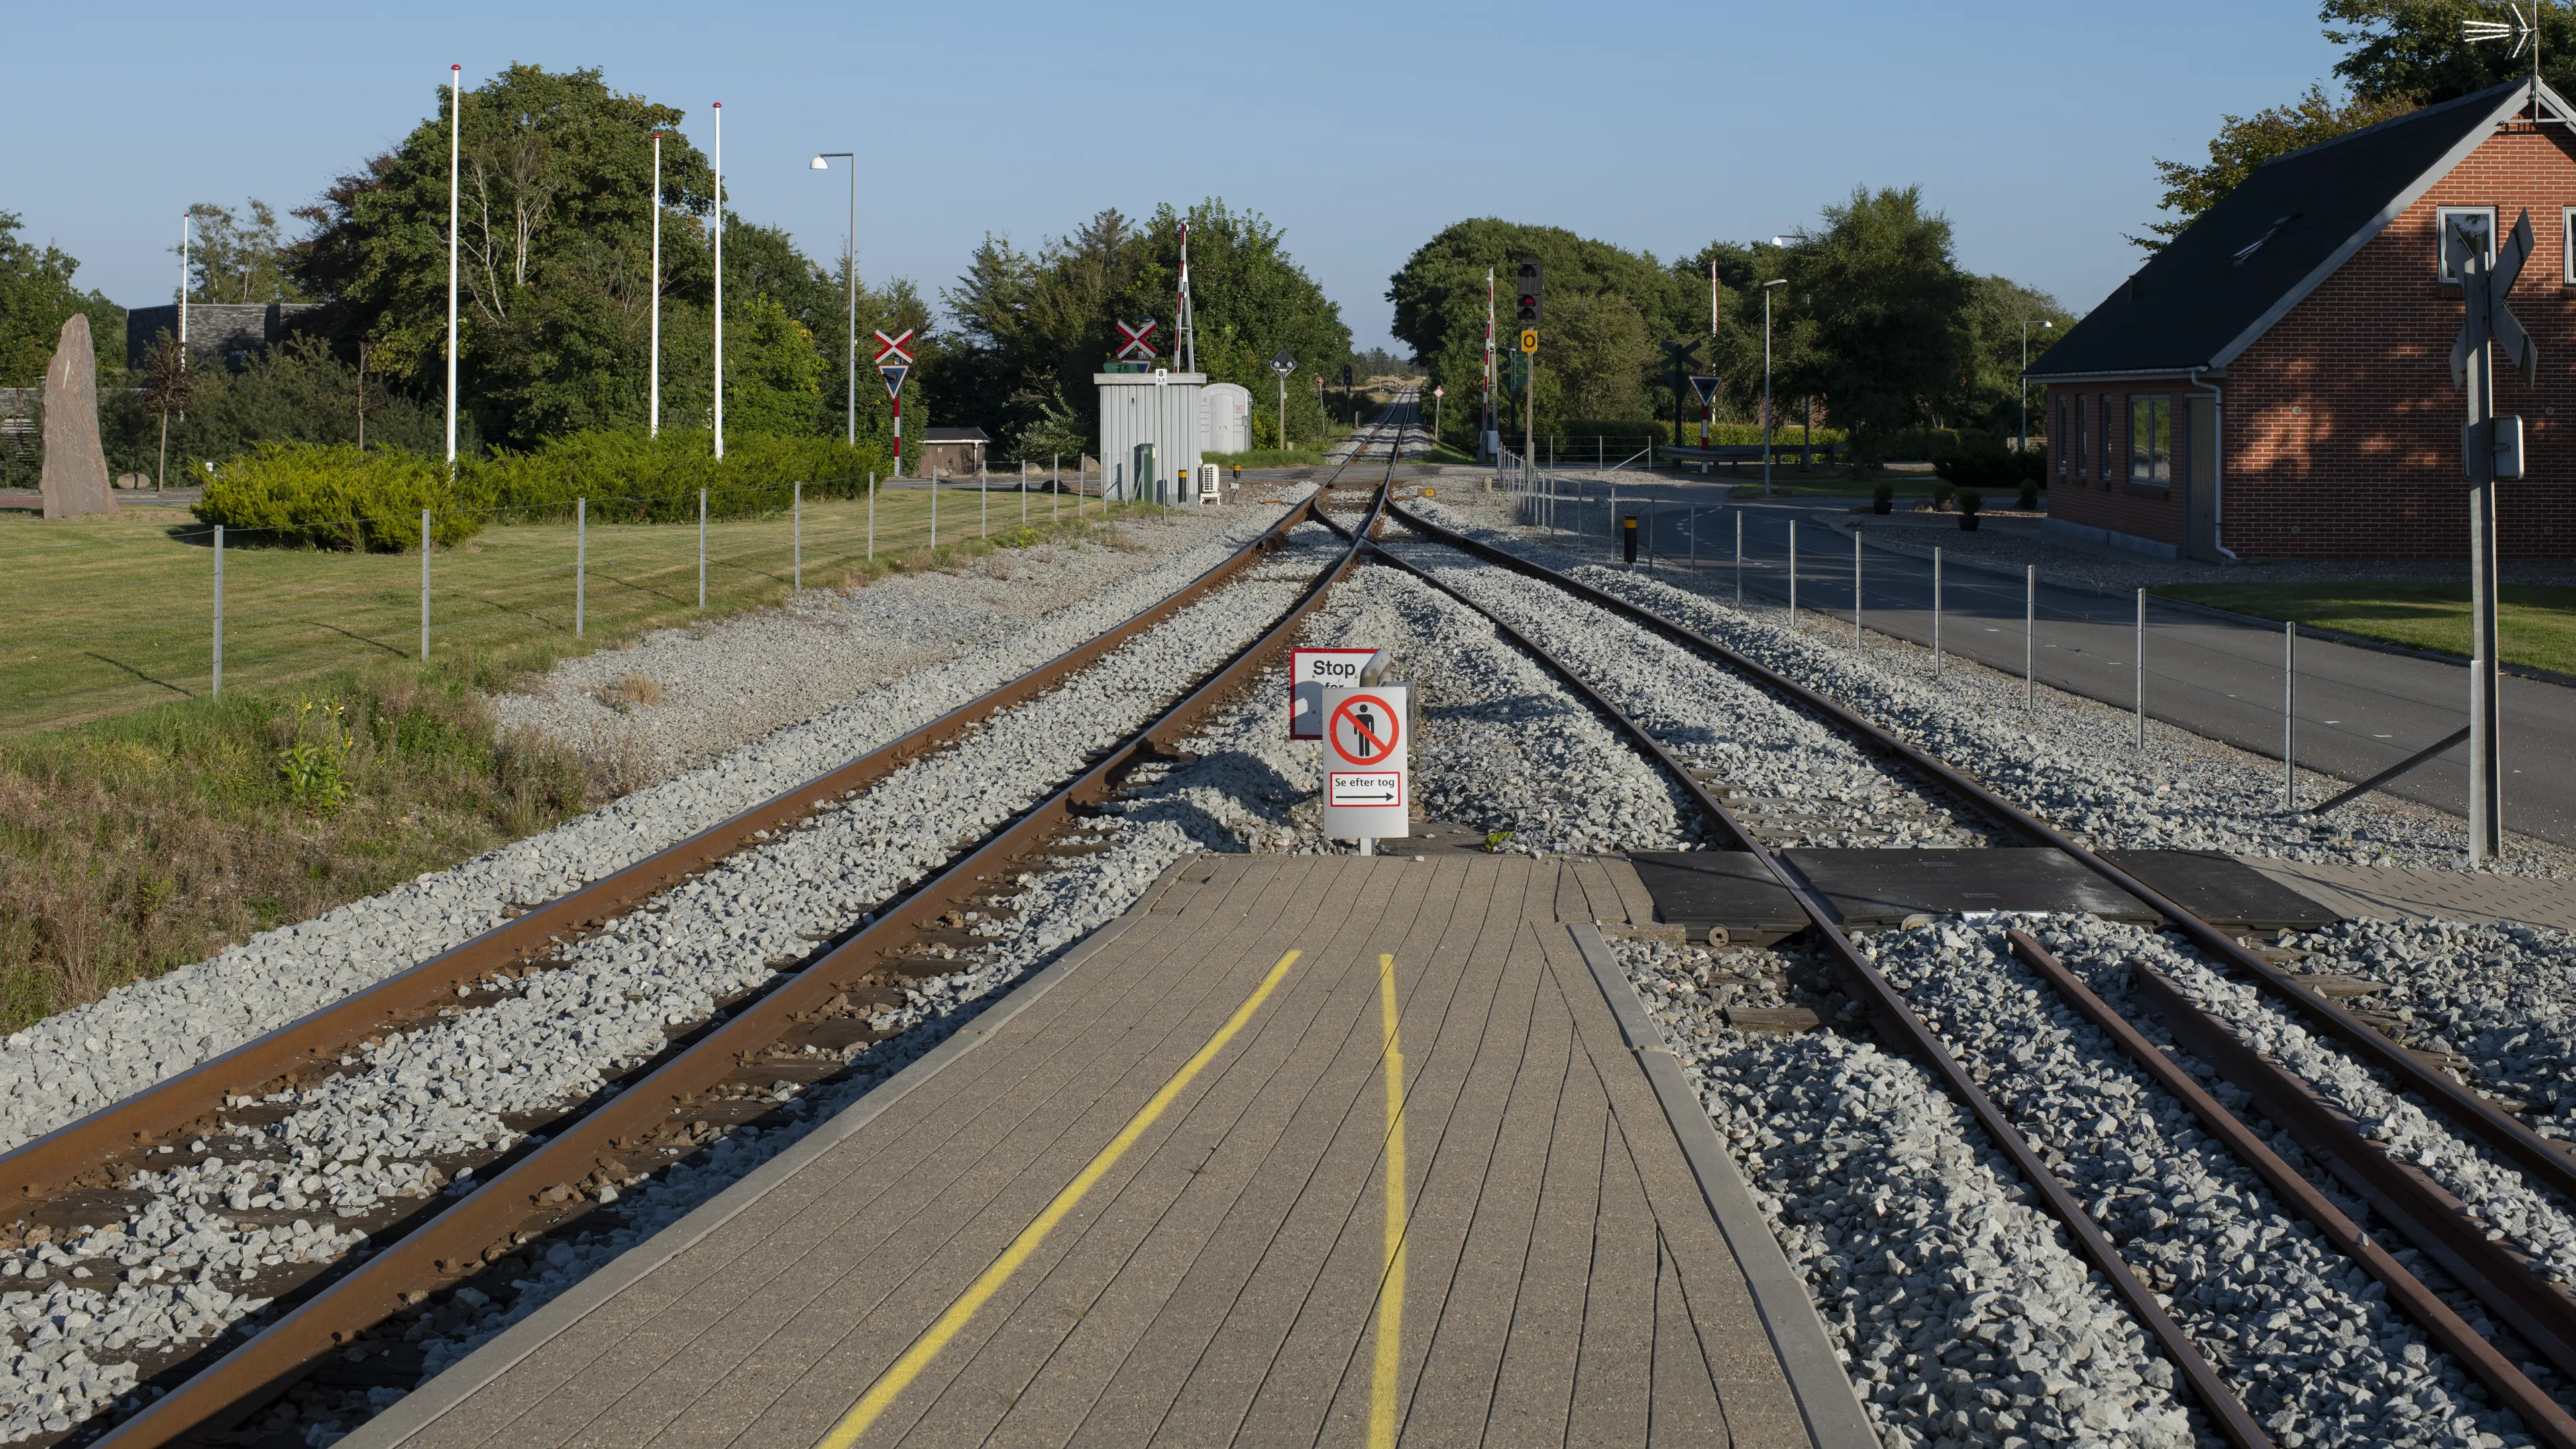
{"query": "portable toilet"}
(1225, 418)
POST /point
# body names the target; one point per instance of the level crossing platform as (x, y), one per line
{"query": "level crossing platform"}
(1310, 1149)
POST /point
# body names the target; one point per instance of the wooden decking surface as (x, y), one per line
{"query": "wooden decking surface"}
(1224, 1278)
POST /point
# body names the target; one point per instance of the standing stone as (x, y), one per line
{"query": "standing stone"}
(75, 478)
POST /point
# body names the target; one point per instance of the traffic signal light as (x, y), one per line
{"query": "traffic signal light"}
(1529, 293)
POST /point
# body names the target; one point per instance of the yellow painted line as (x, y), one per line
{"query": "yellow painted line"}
(1390, 1288)
(895, 1380)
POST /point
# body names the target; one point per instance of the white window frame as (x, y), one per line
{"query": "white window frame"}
(2567, 243)
(2151, 466)
(2441, 223)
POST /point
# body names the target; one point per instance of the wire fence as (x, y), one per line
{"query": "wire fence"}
(134, 611)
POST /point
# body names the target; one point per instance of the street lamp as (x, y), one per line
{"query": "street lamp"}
(2045, 326)
(1766, 375)
(850, 276)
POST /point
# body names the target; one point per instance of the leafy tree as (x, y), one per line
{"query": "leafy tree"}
(1033, 329)
(36, 298)
(232, 260)
(2409, 52)
(1887, 306)
(2246, 142)
(1439, 297)
(298, 392)
(774, 381)
(1990, 392)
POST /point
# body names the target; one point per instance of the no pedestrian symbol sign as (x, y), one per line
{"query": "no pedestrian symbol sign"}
(1366, 791)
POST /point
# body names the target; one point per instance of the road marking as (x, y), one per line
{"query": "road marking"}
(1390, 1287)
(895, 1380)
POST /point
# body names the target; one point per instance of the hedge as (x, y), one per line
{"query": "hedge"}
(313, 495)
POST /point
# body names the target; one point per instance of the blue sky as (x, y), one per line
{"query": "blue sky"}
(1360, 129)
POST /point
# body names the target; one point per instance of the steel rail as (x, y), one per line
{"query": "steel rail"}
(2540, 1413)
(2548, 1162)
(462, 1238)
(2225, 1410)
(2506, 1281)
(49, 1163)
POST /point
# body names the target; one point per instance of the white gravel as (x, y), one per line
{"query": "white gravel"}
(2071, 761)
(726, 683)
(1961, 1312)
(81, 1060)
(2501, 998)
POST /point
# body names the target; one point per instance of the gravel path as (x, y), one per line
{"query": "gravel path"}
(81, 1060)
(723, 684)
(2070, 761)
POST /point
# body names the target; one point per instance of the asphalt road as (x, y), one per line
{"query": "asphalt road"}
(2357, 711)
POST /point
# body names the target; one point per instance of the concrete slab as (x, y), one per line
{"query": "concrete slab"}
(2224, 891)
(2415, 892)
(1195, 1190)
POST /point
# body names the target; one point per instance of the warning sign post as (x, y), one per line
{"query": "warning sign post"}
(1368, 788)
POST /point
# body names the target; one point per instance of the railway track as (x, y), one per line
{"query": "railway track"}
(2483, 1273)
(354, 1292)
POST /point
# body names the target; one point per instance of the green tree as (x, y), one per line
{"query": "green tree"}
(773, 377)
(233, 260)
(1605, 357)
(1990, 391)
(36, 297)
(2409, 52)
(2246, 142)
(1887, 304)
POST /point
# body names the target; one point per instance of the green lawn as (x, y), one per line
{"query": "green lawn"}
(2535, 626)
(110, 614)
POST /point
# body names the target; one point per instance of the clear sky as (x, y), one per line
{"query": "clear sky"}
(1361, 129)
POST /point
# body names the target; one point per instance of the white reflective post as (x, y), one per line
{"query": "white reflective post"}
(219, 611)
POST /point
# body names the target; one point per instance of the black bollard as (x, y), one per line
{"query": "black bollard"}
(1628, 537)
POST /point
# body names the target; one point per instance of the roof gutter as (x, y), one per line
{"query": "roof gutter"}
(2177, 370)
(2218, 465)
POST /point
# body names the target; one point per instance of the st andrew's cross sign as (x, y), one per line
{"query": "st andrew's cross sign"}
(1138, 346)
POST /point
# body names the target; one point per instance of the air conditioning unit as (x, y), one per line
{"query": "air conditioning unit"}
(1211, 483)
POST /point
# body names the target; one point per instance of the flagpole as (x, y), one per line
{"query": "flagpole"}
(653, 420)
(719, 168)
(455, 130)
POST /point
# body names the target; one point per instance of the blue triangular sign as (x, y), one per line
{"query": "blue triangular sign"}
(894, 375)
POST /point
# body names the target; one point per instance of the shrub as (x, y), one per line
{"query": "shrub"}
(632, 477)
(1942, 492)
(334, 496)
(1882, 499)
(2028, 497)
(1980, 460)
(1969, 503)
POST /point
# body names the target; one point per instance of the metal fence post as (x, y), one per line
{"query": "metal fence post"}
(2289, 717)
(983, 502)
(219, 611)
(1055, 487)
(1690, 521)
(580, 558)
(796, 539)
(1024, 493)
(934, 509)
(2029, 623)
(2141, 652)
(1739, 558)
(424, 583)
(1793, 573)
(1856, 586)
(872, 518)
(702, 550)
(1936, 613)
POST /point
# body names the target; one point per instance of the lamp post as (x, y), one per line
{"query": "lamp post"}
(850, 276)
(719, 170)
(2045, 326)
(653, 414)
(1766, 375)
(455, 134)
(185, 218)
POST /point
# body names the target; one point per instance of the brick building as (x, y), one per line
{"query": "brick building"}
(2276, 381)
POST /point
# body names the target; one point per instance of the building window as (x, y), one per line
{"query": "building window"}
(2057, 439)
(2479, 221)
(2151, 441)
(2110, 438)
(2083, 439)
(2567, 237)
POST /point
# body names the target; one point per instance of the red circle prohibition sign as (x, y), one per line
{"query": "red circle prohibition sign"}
(1342, 715)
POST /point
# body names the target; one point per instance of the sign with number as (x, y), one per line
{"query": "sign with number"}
(1310, 673)
(1529, 339)
(1366, 763)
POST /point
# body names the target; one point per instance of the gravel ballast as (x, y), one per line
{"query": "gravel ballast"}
(2072, 761)
(83, 1059)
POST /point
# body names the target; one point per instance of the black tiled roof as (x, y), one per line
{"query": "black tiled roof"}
(2213, 289)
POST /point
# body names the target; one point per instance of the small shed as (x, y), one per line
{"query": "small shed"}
(954, 452)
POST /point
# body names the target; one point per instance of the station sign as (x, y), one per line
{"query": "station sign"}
(1310, 673)
(1367, 781)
